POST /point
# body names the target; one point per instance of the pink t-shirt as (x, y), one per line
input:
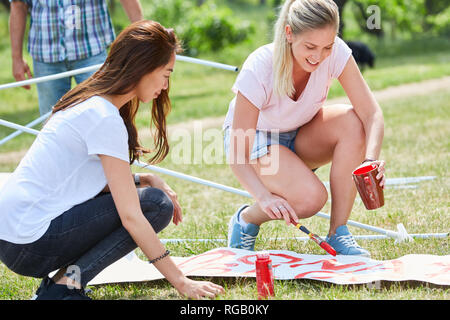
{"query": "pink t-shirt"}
(255, 82)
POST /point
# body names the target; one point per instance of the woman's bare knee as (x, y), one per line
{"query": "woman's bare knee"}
(308, 204)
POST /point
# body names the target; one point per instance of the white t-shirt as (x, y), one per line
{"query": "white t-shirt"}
(255, 82)
(61, 169)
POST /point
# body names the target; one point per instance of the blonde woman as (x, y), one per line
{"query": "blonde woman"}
(277, 131)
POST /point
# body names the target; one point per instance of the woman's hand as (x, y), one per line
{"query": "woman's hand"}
(151, 180)
(198, 289)
(381, 170)
(277, 208)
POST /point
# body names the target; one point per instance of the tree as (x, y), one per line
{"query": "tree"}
(5, 3)
(341, 4)
(365, 16)
(399, 15)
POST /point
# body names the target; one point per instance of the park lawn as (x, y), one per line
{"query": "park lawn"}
(416, 144)
(198, 92)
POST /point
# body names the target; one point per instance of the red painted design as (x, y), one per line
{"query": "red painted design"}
(445, 269)
(250, 259)
(332, 265)
(215, 263)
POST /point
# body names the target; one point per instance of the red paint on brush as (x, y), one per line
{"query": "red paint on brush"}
(324, 245)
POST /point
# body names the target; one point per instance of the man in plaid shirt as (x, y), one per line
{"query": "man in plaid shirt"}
(64, 35)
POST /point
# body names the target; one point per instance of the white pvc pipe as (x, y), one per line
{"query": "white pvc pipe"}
(382, 231)
(18, 127)
(28, 125)
(399, 181)
(357, 237)
(389, 233)
(50, 77)
(193, 179)
(406, 180)
(244, 193)
(208, 63)
(97, 66)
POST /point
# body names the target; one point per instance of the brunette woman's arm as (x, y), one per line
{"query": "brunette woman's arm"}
(152, 180)
(123, 191)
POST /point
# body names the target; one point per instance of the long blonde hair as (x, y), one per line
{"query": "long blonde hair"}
(300, 15)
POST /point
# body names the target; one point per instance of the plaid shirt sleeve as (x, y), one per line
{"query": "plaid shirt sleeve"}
(68, 29)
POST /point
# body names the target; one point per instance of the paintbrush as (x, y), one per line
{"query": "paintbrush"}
(322, 243)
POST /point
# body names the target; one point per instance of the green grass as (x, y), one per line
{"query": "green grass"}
(199, 92)
(416, 144)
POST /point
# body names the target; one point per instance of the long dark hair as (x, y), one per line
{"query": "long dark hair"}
(138, 50)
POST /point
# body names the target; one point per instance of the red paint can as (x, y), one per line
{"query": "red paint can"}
(264, 275)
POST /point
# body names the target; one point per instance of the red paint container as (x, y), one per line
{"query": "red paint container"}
(264, 275)
(369, 186)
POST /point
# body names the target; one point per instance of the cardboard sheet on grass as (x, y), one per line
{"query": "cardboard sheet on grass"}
(226, 262)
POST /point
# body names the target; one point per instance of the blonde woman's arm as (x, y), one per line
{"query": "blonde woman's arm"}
(367, 109)
(242, 136)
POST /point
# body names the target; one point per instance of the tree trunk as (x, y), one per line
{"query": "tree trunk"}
(341, 4)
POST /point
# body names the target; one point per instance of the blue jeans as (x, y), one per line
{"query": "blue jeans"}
(50, 92)
(89, 236)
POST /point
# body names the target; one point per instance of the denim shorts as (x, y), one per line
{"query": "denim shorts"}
(263, 139)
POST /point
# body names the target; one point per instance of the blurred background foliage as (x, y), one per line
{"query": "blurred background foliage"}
(208, 26)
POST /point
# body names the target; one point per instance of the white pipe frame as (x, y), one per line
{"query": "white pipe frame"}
(383, 233)
(90, 69)
(97, 66)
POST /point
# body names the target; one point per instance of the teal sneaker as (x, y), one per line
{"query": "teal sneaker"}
(241, 237)
(344, 243)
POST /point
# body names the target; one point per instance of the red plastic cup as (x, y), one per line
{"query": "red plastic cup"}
(368, 186)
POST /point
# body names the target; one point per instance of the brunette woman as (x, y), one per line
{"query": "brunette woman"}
(73, 204)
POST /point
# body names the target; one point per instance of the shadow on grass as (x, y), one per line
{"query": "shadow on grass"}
(181, 97)
(162, 290)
